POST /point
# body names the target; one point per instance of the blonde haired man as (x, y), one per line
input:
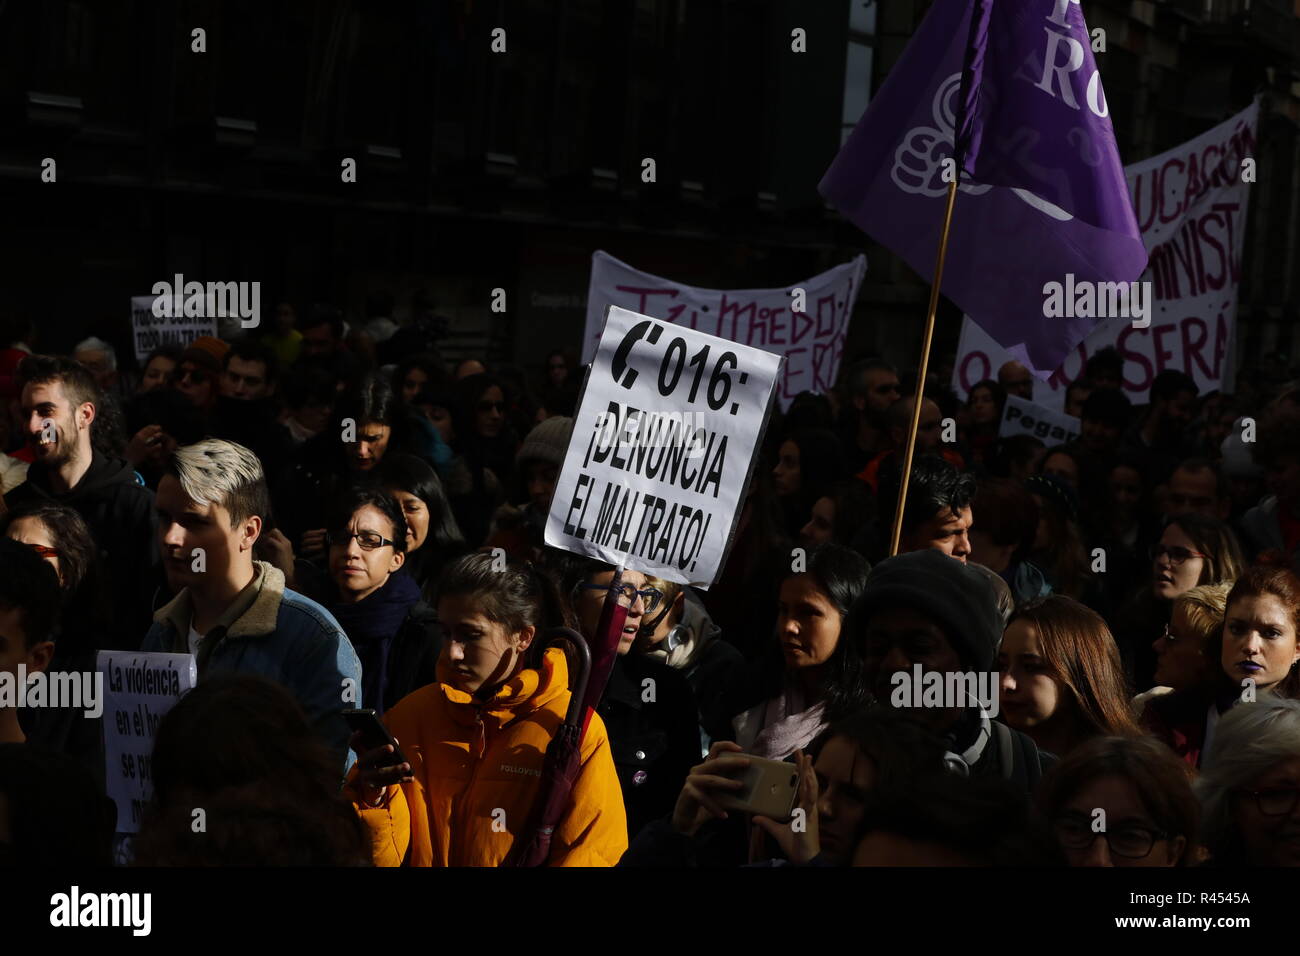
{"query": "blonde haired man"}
(232, 612)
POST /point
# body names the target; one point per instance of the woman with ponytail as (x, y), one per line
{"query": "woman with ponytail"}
(474, 742)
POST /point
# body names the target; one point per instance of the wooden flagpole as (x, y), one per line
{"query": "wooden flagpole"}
(924, 367)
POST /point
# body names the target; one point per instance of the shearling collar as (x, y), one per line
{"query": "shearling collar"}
(242, 618)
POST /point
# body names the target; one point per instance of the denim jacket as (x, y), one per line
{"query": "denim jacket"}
(282, 636)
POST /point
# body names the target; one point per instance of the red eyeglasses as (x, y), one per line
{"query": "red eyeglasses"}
(45, 552)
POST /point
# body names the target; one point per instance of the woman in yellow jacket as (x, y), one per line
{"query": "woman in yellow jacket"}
(475, 741)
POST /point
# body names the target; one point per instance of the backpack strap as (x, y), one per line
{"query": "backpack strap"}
(1013, 769)
(1006, 759)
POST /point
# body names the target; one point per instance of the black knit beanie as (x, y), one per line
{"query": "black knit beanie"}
(955, 596)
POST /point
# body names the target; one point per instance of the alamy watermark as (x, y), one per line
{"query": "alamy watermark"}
(78, 690)
(78, 909)
(198, 300)
(1085, 299)
(945, 689)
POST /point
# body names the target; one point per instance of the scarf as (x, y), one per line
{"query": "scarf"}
(781, 725)
(371, 624)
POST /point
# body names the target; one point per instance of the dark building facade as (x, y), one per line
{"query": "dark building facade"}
(481, 169)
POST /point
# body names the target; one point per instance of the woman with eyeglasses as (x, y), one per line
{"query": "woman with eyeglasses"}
(810, 675)
(368, 423)
(1122, 801)
(395, 634)
(681, 634)
(648, 707)
(1250, 789)
(1192, 550)
(1253, 657)
(1182, 662)
(474, 742)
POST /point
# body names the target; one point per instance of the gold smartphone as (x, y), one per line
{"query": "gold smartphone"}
(771, 788)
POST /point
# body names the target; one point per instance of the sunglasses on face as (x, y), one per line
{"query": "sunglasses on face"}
(486, 406)
(195, 375)
(886, 389)
(44, 552)
(1176, 554)
(369, 540)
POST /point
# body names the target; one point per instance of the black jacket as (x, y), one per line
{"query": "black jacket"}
(413, 655)
(119, 512)
(252, 423)
(654, 742)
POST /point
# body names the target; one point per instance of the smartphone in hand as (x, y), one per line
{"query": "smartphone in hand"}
(373, 732)
(771, 789)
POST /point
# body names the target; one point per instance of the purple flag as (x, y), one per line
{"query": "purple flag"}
(1042, 194)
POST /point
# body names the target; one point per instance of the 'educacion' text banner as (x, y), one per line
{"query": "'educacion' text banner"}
(1191, 207)
(811, 339)
(662, 448)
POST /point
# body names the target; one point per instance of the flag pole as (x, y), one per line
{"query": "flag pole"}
(924, 367)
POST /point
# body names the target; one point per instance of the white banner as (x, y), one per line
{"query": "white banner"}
(1191, 207)
(1050, 427)
(139, 690)
(807, 330)
(662, 447)
(149, 331)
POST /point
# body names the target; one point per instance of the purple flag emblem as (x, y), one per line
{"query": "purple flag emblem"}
(1042, 192)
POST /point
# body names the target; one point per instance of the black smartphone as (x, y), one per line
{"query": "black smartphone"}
(373, 732)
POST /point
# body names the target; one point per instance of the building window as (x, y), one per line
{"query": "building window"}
(859, 63)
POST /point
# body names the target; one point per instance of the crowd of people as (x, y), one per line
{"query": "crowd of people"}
(330, 515)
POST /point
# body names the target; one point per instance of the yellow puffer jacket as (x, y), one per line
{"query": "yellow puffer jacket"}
(477, 766)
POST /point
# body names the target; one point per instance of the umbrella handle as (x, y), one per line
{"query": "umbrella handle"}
(557, 636)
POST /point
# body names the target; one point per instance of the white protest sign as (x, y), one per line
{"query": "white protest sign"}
(141, 688)
(662, 447)
(808, 329)
(149, 331)
(1190, 204)
(1051, 427)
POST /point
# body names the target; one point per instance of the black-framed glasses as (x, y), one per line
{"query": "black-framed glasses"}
(369, 540)
(650, 626)
(1177, 554)
(650, 596)
(196, 375)
(486, 406)
(1129, 842)
(1277, 802)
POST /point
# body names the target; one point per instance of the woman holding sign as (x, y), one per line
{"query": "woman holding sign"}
(460, 788)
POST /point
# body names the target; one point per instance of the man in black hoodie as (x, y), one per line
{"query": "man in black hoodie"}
(924, 615)
(59, 401)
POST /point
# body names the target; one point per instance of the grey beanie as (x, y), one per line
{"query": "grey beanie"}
(547, 442)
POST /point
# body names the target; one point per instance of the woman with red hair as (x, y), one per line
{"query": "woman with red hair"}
(1257, 655)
